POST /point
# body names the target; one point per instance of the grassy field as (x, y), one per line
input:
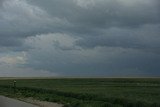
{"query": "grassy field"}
(88, 92)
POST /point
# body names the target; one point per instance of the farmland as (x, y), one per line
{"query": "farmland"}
(87, 92)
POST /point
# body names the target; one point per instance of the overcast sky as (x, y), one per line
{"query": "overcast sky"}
(80, 38)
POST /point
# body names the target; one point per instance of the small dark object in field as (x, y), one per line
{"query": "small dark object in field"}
(14, 86)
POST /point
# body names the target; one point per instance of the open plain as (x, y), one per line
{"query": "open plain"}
(87, 92)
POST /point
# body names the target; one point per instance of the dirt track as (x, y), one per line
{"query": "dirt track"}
(8, 102)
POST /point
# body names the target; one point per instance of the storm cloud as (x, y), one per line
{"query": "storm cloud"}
(80, 37)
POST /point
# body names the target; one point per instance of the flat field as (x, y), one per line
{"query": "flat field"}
(87, 92)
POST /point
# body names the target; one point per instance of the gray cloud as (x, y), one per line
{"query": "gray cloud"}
(79, 37)
(19, 19)
(144, 38)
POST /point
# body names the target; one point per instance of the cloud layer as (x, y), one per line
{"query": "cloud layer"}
(80, 38)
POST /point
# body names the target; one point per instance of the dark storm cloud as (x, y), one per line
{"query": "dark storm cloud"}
(83, 37)
(90, 22)
(145, 38)
(76, 16)
(19, 19)
(103, 14)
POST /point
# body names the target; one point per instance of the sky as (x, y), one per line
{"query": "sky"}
(82, 38)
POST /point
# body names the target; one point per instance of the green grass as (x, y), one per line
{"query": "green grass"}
(88, 92)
